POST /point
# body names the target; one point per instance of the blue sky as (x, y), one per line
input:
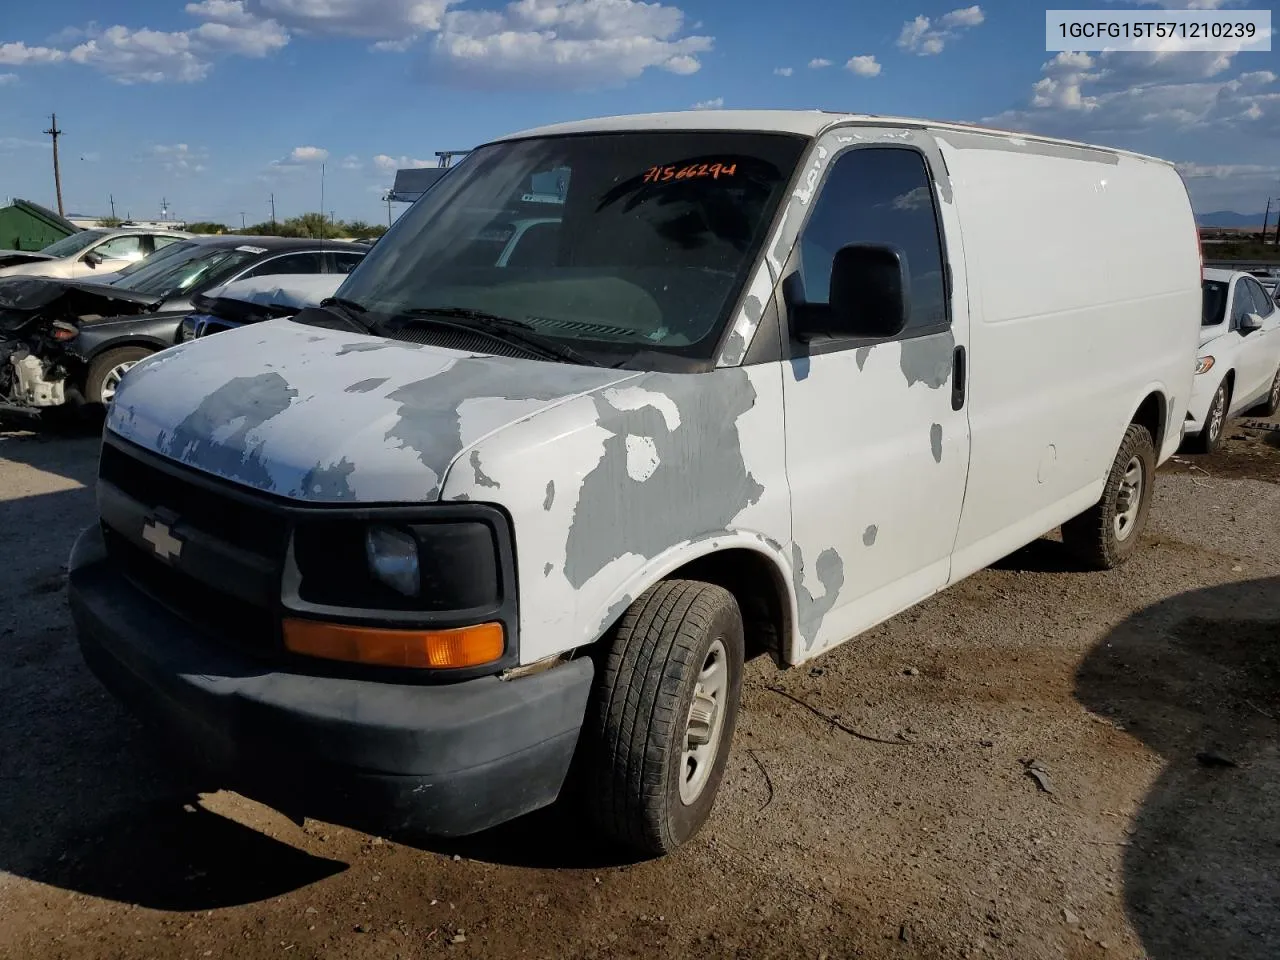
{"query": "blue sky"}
(217, 104)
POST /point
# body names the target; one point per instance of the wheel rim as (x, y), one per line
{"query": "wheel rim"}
(111, 382)
(1129, 498)
(1275, 393)
(1219, 413)
(705, 724)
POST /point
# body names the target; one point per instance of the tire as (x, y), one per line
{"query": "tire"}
(1209, 439)
(1096, 536)
(1271, 406)
(641, 713)
(98, 388)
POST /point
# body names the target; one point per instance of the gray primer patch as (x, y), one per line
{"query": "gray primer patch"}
(861, 355)
(869, 535)
(428, 421)
(363, 347)
(830, 570)
(935, 442)
(735, 348)
(546, 571)
(700, 483)
(330, 482)
(928, 360)
(482, 479)
(364, 386)
(550, 498)
(613, 613)
(251, 400)
(963, 140)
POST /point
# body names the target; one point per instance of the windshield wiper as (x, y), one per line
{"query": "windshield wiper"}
(506, 329)
(350, 310)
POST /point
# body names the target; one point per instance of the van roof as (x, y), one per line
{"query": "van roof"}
(809, 123)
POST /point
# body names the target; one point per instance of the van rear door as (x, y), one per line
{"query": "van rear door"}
(877, 433)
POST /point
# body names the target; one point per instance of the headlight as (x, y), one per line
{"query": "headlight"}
(393, 559)
(1204, 365)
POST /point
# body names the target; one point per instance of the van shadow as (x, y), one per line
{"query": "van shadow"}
(85, 804)
(1197, 678)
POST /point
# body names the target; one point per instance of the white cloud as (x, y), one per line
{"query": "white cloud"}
(8, 79)
(142, 56)
(714, 104)
(308, 155)
(565, 43)
(178, 158)
(231, 12)
(387, 164)
(817, 63)
(352, 162)
(865, 66)
(259, 40)
(922, 37)
(21, 143)
(368, 19)
(20, 55)
(783, 71)
(1125, 93)
(394, 46)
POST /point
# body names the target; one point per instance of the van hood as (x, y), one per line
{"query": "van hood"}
(327, 416)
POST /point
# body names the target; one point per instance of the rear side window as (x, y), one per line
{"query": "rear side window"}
(292, 263)
(878, 195)
(344, 262)
(1262, 304)
(1241, 302)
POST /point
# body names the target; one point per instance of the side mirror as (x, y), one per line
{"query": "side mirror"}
(91, 259)
(869, 295)
(1250, 323)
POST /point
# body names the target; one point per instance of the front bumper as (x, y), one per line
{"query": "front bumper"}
(443, 759)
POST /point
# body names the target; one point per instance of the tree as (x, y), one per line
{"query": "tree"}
(110, 222)
(205, 226)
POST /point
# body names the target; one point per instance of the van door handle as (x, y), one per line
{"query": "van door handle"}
(959, 375)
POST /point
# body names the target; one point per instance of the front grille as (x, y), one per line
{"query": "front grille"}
(241, 524)
(222, 616)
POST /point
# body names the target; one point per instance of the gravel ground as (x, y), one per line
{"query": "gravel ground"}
(1083, 765)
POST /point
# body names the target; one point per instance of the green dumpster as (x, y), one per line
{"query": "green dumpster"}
(28, 226)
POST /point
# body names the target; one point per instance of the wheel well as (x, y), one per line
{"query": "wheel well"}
(1151, 414)
(152, 345)
(758, 587)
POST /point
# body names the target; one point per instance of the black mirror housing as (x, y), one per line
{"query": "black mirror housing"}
(869, 296)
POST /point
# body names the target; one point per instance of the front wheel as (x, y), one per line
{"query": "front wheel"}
(1210, 437)
(1106, 534)
(662, 715)
(106, 371)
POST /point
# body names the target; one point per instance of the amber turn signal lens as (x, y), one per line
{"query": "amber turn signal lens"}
(461, 647)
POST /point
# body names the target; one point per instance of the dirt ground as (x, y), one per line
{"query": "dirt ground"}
(1145, 700)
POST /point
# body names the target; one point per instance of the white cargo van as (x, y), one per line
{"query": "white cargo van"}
(746, 382)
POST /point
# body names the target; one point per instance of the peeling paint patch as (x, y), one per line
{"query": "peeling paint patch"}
(642, 458)
(251, 401)
(481, 479)
(698, 482)
(861, 355)
(928, 360)
(546, 570)
(613, 613)
(363, 347)
(935, 442)
(812, 610)
(869, 535)
(550, 498)
(800, 367)
(328, 482)
(962, 140)
(365, 386)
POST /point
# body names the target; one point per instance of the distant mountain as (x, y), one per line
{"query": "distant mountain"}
(1229, 218)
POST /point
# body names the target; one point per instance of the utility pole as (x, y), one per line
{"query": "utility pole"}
(273, 209)
(1266, 217)
(322, 191)
(241, 219)
(54, 132)
(112, 198)
(388, 199)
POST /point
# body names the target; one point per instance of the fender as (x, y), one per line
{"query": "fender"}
(1168, 410)
(664, 564)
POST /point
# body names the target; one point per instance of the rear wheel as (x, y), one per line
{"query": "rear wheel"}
(1271, 406)
(1210, 437)
(663, 715)
(107, 370)
(1106, 534)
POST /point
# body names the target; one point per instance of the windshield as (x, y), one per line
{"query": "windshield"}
(185, 271)
(73, 244)
(616, 242)
(169, 250)
(1215, 303)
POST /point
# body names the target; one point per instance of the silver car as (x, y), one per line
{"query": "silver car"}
(89, 254)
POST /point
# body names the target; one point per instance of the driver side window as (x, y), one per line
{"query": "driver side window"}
(1262, 304)
(1241, 303)
(119, 248)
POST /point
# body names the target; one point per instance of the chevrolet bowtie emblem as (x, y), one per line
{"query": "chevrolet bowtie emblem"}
(166, 545)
